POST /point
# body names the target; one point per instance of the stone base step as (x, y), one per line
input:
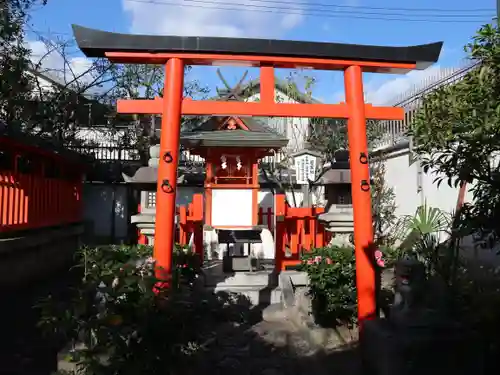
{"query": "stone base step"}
(257, 295)
(261, 287)
(298, 278)
(268, 278)
(241, 279)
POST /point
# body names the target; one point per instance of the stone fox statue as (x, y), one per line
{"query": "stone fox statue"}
(410, 284)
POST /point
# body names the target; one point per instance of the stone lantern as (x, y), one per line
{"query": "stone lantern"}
(338, 215)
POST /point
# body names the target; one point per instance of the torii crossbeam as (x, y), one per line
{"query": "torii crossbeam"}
(176, 52)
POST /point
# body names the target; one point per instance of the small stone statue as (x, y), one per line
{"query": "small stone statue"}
(409, 291)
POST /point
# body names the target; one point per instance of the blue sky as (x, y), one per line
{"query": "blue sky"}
(345, 21)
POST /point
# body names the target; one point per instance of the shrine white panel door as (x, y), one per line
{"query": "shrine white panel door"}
(232, 208)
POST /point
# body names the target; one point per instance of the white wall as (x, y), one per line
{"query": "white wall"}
(413, 188)
(183, 197)
(294, 128)
(405, 180)
(185, 194)
(265, 198)
(106, 208)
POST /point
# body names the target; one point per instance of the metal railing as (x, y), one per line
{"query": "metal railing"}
(394, 132)
(108, 153)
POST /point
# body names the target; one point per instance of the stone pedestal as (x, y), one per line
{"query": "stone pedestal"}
(339, 220)
(145, 222)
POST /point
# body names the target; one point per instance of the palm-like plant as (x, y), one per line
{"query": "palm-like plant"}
(426, 221)
(428, 235)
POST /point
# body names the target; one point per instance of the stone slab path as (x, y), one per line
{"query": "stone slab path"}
(272, 348)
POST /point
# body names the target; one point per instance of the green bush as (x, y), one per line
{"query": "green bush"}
(186, 266)
(122, 326)
(332, 274)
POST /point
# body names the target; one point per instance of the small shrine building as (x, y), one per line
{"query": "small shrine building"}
(231, 147)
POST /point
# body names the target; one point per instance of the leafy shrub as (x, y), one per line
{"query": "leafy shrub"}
(122, 326)
(332, 287)
(186, 266)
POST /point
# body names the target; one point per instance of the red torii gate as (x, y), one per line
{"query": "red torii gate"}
(176, 52)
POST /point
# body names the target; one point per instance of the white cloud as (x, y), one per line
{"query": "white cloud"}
(390, 90)
(399, 86)
(291, 20)
(208, 19)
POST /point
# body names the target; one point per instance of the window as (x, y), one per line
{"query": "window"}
(151, 199)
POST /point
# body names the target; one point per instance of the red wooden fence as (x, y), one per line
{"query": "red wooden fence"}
(266, 217)
(38, 188)
(141, 238)
(298, 230)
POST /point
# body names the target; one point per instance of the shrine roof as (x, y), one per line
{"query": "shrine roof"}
(233, 138)
(95, 43)
(256, 134)
(214, 122)
(196, 175)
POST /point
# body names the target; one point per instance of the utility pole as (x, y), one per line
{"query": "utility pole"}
(89, 120)
(498, 11)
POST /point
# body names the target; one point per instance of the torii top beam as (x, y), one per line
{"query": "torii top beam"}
(264, 53)
(125, 48)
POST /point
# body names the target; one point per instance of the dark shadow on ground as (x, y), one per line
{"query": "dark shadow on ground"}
(241, 343)
(24, 350)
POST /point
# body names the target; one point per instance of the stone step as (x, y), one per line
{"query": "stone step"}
(298, 278)
(257, 295)
(238, 279)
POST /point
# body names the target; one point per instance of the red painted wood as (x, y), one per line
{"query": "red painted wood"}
(33, 199)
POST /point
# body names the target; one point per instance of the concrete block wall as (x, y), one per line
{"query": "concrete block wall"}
(34, 255)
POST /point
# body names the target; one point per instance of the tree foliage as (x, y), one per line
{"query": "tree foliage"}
(147, 82)
(330, 135)
(48, 93)
(67, 96)
(14, 59)
(456, 133)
